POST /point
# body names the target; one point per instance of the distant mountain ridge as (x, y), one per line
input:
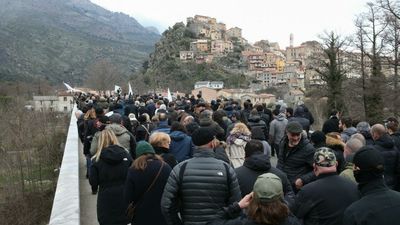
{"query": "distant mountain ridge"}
(58, 39)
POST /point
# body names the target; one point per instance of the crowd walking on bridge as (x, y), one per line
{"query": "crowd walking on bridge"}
(187, 161)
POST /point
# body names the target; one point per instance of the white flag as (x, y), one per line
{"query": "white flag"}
(117, 89)
(169, 97)
(130, 89)
(69, 87)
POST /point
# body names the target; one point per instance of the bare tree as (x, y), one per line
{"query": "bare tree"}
(102, 75)
(373, 31)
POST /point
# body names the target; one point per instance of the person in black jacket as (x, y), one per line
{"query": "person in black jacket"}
(378, 204)
(332, 124)
(255, 164)
(296, 156)
(108, 172)
(264, 206)
(139, 189)
(160, 142)
(203, 185)
(385, 144)
(324, 200)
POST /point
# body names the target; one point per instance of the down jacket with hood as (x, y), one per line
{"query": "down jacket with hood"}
(338, 147)
(109, 174)
(258, 128)
(181, 146)
(391, 155)
(256, 165)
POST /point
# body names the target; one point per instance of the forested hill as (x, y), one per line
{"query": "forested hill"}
(58, 40)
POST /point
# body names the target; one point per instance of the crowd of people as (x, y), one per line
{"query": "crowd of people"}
(192, 162)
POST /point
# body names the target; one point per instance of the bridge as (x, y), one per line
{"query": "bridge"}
(73, 203)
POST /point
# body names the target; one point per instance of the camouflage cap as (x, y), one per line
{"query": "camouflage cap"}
(324, 157)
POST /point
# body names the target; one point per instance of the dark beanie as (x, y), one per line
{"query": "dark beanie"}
(318, 137)
(369, 159)
(203, 135)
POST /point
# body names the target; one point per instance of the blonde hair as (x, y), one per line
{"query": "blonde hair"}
(106, 138)
(240, 128)
(158, 139)
(90, 114)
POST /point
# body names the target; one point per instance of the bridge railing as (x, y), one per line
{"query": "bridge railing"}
(66, 208)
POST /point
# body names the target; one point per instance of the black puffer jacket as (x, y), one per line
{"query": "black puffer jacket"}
(258, 127)
(391, 155)
(396, 138)
(297, 162)
(253, 167)
(204, 190)
(109, 173)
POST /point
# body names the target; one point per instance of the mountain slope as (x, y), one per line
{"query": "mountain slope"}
(58, 39)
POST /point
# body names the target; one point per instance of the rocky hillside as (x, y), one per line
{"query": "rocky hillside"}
(59, 39)
(165, 69)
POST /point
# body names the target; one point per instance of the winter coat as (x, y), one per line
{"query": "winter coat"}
(396, 138)
(256, 165)
(199, 188)
(181, 145)
(338, 147)
(331, 125)
(323, 201)
(368, 137)
(235, 152)
(148, 209)
(348, 172)
(89, 130)
(109, 174)
(277, 128)
(391, 155)
(162, 127)
(218, 130)
(346, 134)
(166, 155)
(296, 162)
(378, 206)
(143, 131)
(233, 217)
(258, 128)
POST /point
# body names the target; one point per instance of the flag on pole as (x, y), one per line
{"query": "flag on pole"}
(130, 89)
(68, 87)
(117, 89)
(169, 97)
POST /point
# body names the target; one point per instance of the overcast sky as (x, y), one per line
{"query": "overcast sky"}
(271, 20)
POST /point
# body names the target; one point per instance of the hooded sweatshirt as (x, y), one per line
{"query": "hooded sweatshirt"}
(256, 165)
(277, 128)
(181, 146)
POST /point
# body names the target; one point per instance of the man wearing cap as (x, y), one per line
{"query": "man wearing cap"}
(296, 156)
(324, 200)
(378, 204)
(203, 185)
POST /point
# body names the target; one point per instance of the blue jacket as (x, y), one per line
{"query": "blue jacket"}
(181, 145)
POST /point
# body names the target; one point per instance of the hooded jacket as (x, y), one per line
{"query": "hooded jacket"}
(181, 146)
(277, 128)
(109, 174)
(338, 147)
(254, 166)
(391, 155)
(258, 127)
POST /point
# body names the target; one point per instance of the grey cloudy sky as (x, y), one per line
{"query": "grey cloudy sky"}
(271, 20)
